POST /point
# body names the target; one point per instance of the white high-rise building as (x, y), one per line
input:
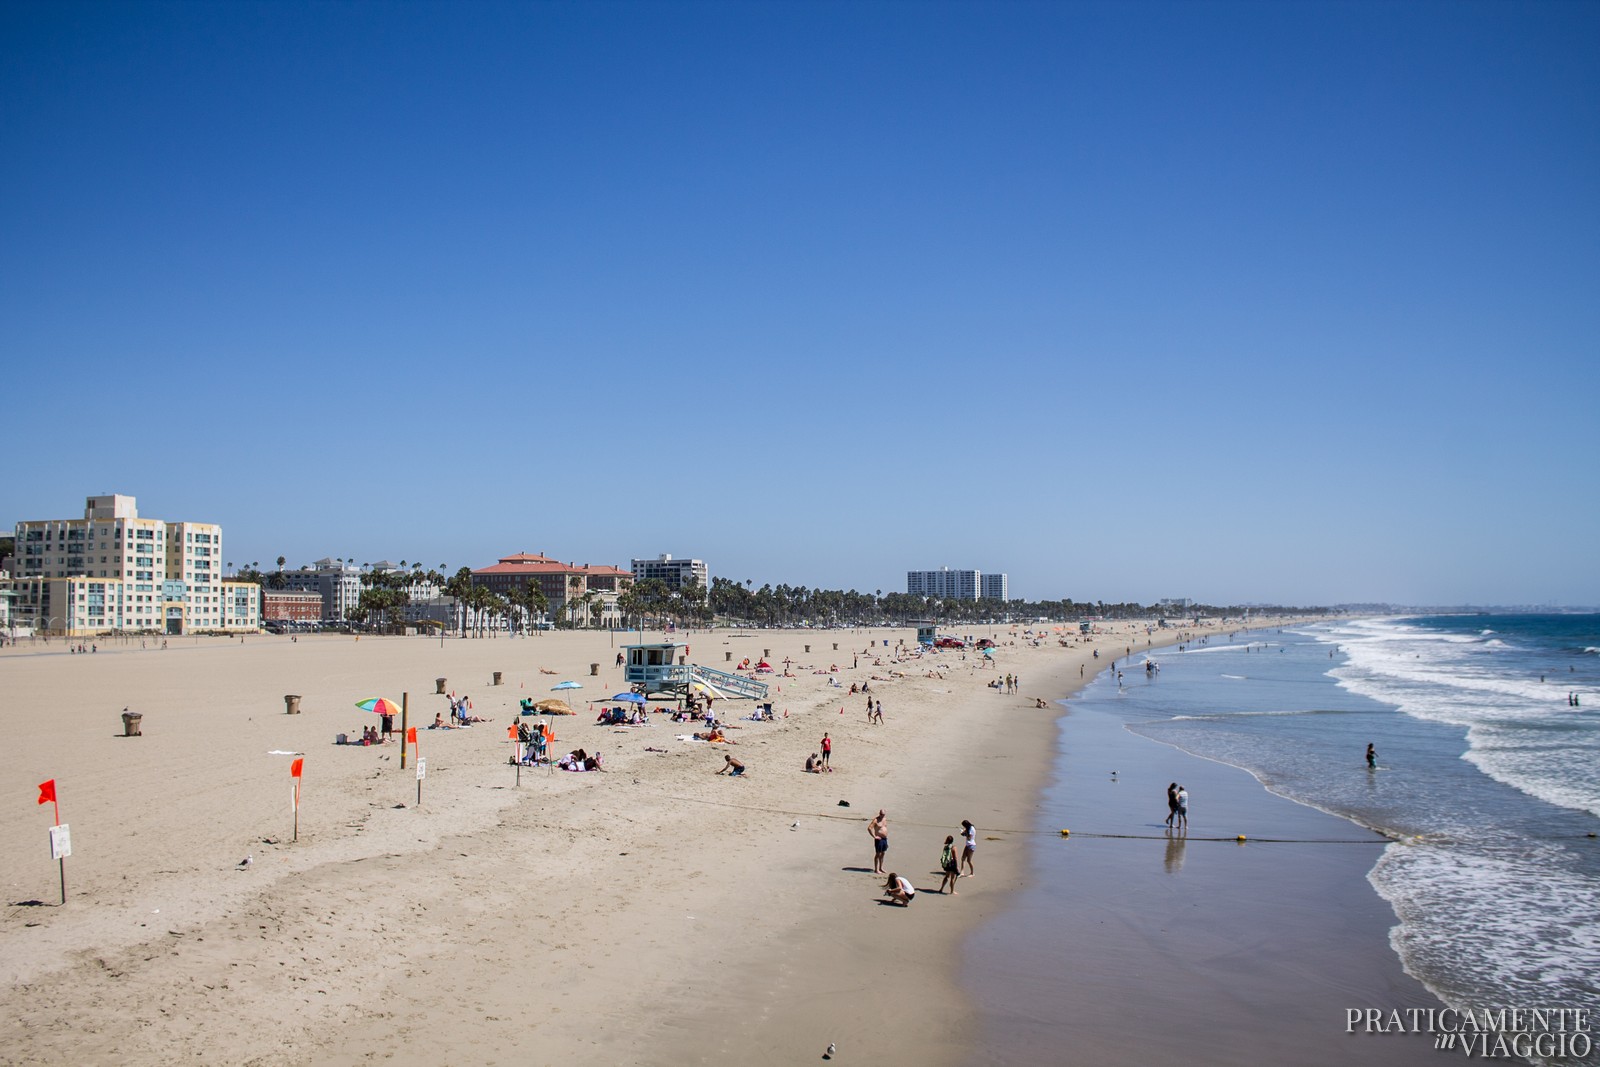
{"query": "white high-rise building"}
(944, 583)
(338, 582)
(677, 573)
(114, 571)
(948, 584)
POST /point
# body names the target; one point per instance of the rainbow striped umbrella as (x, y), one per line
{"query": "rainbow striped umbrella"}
(379, 706)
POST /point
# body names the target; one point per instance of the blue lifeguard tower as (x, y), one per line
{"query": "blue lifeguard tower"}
(664, 668)
(927, 633)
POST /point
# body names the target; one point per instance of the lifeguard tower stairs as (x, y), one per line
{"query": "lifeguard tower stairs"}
(657, 668)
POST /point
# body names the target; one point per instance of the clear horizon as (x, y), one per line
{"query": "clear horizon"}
(1240, 302)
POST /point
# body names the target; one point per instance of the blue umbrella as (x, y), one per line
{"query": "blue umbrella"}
(629, 698)
(565, 685)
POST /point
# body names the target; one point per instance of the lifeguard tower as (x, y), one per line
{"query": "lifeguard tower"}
(927, 633)
(664, 668)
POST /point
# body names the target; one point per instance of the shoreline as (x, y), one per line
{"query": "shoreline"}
(657, 913)
(1194, 947)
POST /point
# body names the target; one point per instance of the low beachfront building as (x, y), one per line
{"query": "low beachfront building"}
(113, 571)
(291, 607)
(584, 595)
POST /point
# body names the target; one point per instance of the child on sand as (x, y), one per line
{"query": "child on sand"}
(949, 865)
(899, 891)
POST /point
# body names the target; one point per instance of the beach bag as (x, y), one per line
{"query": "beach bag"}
(947, 859)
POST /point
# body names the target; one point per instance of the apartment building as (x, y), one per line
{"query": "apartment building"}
(948, 584)
(115, 571)
(677, 573)
(338, 582)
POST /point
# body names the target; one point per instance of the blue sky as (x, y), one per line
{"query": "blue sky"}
(1276, 302)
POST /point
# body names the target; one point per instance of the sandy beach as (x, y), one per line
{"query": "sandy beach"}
(654, 913)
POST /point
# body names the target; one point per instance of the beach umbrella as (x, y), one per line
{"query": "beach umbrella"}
(565, 685)
(379, 706)
(629, 698)
(554, 707)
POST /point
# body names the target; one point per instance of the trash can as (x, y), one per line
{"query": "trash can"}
(836, 646)
(439, 685)
(727, 657)
(291, 705)
(808, 648)
(130, 723)
(496, 678)
(594, 670)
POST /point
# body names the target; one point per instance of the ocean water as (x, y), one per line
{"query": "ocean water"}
(1488, 778)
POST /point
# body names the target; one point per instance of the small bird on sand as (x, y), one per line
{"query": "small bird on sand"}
(247, 861)
(828, 1055)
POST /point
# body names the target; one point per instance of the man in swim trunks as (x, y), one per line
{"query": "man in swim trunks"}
(879, 830)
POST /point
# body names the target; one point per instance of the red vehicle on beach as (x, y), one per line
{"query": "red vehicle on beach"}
(949, 642)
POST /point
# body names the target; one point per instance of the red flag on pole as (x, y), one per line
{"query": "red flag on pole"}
(294, 768)
(47, 792)
(411, 735)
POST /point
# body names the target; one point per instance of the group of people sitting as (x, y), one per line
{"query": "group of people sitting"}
(579, 760)
(369, 736)
(693, 712)
(622, 717)
(814, 764)
(461, 713)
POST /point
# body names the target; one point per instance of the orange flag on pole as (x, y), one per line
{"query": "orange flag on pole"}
(47, 792)
(411, 735)
(294, 768)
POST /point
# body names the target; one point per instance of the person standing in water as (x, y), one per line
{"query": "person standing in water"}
(1372, 758)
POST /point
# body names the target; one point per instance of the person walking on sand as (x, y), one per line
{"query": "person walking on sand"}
(969, 837)
(1372, 758)
(1182, 811)
(949, 865)
(1172, 803)
(827, 752)
(878, 830)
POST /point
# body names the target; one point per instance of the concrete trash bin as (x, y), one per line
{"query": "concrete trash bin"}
(439, 685)
(496, 677)
(594, 670)
(130, 723)
(291, 704)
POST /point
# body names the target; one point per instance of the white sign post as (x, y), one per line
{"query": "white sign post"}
(422, 772)
(60, 849)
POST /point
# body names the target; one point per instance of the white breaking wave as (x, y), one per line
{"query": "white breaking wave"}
(1456, 919)
(1520, 729)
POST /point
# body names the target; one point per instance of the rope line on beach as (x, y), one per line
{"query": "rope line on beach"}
(1382, 840)
(1381, 837)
